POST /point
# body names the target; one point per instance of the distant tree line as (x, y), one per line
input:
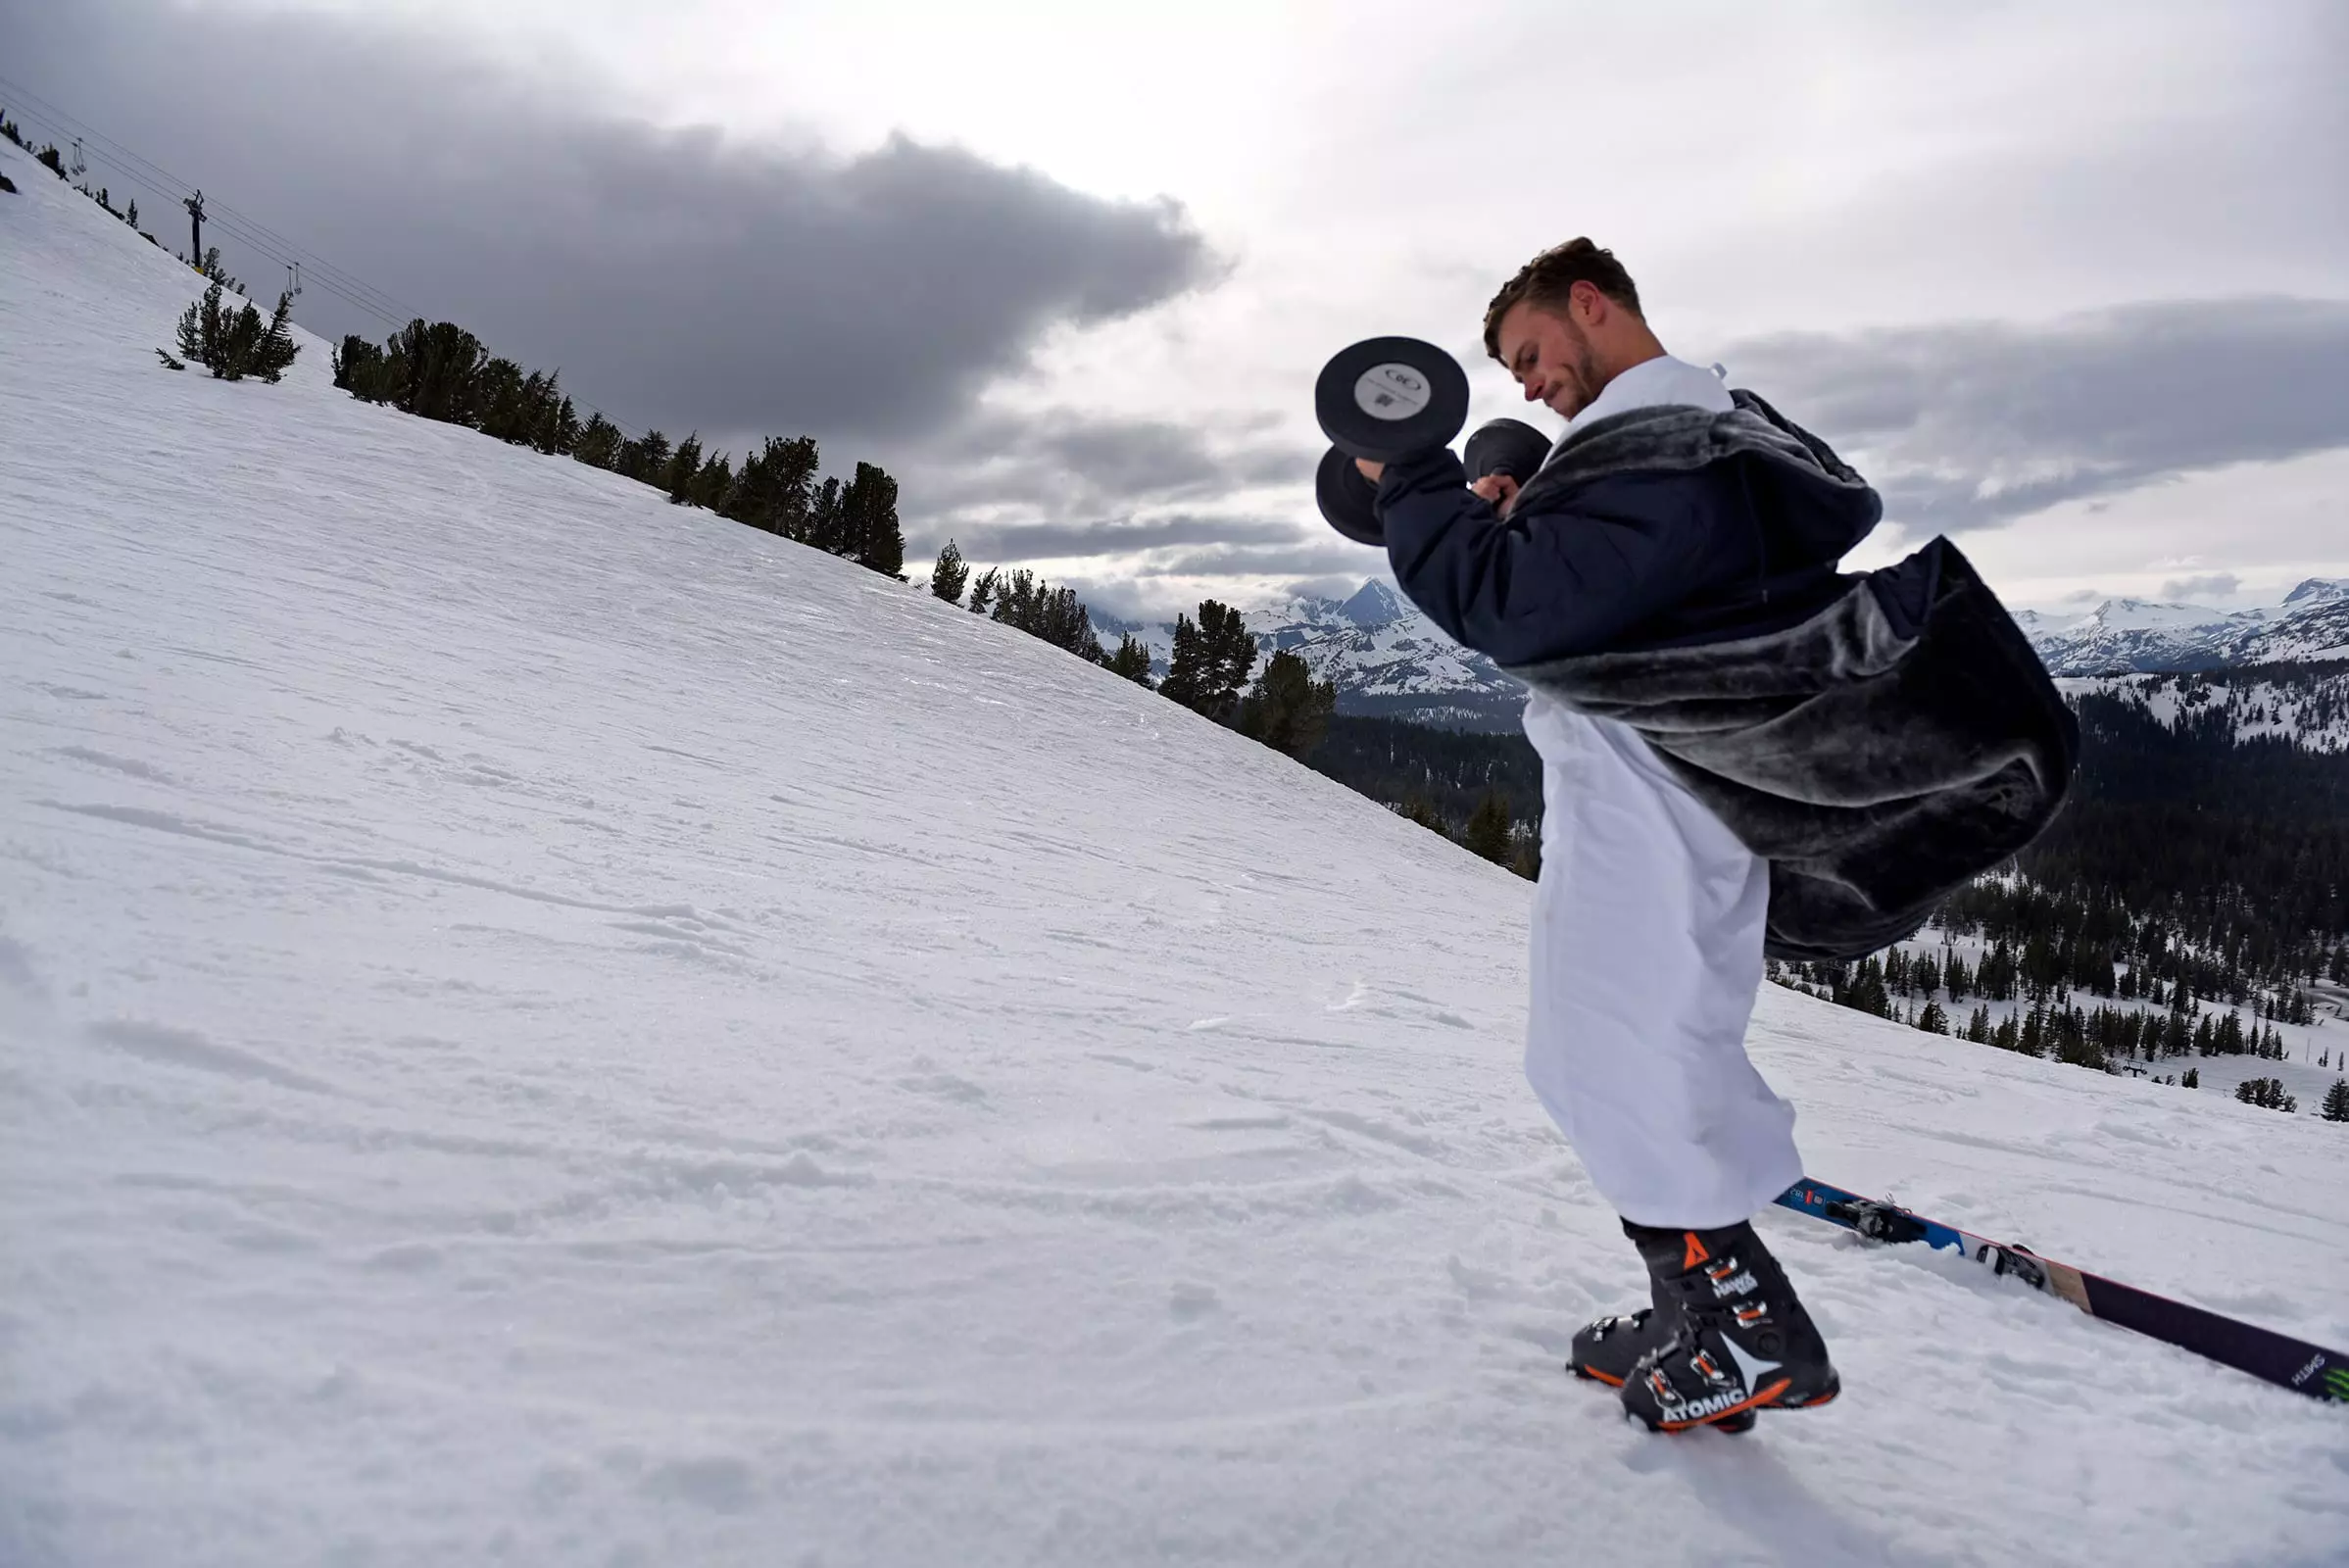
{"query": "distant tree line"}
(1207, 672)
(2048, 1023)
(2192, 890)
(439, 370)
(1483, 790)
(2268, 1093)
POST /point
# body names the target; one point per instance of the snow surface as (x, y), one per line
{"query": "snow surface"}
(538, 1027)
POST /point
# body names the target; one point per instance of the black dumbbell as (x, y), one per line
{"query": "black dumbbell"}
(1344, 496)
(1385, 399)
(1504, 445)
(1390, 397)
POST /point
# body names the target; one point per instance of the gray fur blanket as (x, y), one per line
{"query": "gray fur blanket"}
(1879, 755)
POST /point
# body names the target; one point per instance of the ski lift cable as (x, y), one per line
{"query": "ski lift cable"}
(347, 285)
(272, 246)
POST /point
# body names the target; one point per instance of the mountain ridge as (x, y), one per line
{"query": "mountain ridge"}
(1386, 658)
(2129, 635)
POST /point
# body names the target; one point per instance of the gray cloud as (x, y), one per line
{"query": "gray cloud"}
(1974, 423)
(2209, 584)
(1300, 556)
(678, 279)
(1046, 541)
(1068, 464)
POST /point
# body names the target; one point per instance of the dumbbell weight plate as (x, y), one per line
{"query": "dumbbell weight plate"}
(1390, 397)
(1504, 445)
(1346, 497)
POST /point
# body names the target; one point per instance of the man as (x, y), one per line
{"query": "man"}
(1666, 585)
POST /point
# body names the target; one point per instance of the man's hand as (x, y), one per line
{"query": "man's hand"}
(1499, 488)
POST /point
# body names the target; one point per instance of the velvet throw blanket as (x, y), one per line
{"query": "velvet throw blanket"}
(1879, 755)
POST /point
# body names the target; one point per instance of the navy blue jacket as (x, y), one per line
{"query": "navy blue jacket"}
(1740, 546)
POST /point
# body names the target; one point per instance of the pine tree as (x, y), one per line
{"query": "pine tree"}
(952, 571)
(1289, 712)
(1015, 600)
(711, 483)
(1488, 832)
(2336, 1101)
(1933, 1020)
(1211, 660)
(1418, 808)
(599, 443)
(1925, 976)
(1527, 862)
(1187, 666)
(1131, 661)
(827, 520)
(775, 489)
(360, 368)
(558, 429)
(2192, 1078)
(982, 593)
(872, 538)
(646, 457)
(1232, 649)
(433, 368)
(676, 474)
(235, 344)
(2267, 1094)
(1062, 620)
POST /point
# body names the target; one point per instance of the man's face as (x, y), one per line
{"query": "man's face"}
(1550, 357)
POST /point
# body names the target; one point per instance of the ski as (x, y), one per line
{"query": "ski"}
(2272, 1358)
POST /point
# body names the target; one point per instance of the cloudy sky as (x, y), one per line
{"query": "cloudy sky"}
(2070, 285)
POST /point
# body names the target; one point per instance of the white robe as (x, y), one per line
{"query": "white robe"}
(1647, 934)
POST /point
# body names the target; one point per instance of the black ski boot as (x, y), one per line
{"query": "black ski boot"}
(1608, 1349)
(1725, 1338)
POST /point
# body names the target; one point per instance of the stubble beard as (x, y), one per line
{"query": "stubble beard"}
(1584, 366)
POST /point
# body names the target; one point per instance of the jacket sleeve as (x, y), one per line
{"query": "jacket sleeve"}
(1554, 583)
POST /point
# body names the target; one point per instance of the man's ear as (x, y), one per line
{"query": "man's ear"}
(1587, 304)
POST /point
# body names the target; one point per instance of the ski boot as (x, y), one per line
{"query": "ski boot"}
(1725, 1336)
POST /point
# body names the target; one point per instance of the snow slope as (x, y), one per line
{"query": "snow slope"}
(541, 1027)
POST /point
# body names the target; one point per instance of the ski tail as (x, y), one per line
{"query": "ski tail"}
(2272, 1358)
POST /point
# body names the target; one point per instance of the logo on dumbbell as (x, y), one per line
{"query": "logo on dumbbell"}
(1391, 391)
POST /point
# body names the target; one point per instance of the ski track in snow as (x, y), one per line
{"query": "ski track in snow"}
(538, 1027)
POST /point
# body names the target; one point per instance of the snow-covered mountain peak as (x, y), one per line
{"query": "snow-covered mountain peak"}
(2315, 590)
(2311, 622)
(2141, 615)
(1375, 605)
(1384, 657)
